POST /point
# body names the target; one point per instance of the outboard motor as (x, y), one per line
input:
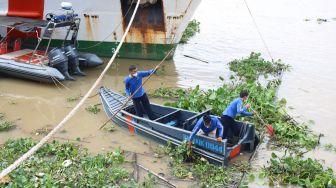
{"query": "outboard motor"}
(72, 54)
(59, 60)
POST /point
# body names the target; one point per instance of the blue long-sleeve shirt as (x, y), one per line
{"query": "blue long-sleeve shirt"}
(236, 107)
(215, 124)
(133, 83)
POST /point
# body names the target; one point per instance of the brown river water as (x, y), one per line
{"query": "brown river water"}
(291, 31)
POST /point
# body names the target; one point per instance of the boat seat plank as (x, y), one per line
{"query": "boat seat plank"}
(167, 115)
(117, 97)
(189, 120)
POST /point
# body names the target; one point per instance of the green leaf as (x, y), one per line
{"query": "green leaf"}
(251, 178)
(213, 96)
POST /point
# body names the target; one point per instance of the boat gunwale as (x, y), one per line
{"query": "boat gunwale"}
(180, 129)
(120, 116)
(224, 141)
(222, 159)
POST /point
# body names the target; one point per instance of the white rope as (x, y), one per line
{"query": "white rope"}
(73, 111)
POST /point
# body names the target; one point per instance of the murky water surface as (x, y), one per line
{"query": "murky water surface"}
(227, 32)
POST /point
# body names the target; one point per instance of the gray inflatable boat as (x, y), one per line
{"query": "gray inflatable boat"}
(37, 72)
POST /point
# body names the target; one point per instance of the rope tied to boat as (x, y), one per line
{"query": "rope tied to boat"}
(28, 154)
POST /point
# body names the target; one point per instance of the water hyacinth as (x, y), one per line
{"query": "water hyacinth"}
(293, 170)
(62, 165)
(262, 97)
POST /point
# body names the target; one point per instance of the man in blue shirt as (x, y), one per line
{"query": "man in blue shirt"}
(235, 107)
(140, 100)
(207, 125)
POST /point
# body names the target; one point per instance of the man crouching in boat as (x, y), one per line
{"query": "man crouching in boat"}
(208, 126)
(140, 100)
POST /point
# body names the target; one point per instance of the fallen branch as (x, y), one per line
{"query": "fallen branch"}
(158, 176)
(319, 138)
(186, 180)
(136, 167)
(196, 58)
(143, 154)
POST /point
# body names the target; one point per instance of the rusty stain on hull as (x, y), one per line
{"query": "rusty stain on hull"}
(95, 25)
(88, 27)
(148, 25)
(114, 36)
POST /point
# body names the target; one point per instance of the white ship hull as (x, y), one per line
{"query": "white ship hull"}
(157, 28)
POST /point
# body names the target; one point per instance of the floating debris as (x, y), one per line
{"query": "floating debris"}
(12, 102)
(72, 99)
(93, 108)
(322, 20)
(43, 131)
(6, 125)
(5, 179)
(67, 163)
(40, 174)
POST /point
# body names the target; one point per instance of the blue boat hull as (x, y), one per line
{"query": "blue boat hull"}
(173, 125)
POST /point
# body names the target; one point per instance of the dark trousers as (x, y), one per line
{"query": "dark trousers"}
(142, 103)
(229, 124)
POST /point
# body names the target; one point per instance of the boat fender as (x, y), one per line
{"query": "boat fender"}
(59, 60)
(66, 5)
(73, 62)
(89, 60)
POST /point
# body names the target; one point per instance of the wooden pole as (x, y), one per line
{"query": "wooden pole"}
(136, 167)
(196, 58)
(158, 176)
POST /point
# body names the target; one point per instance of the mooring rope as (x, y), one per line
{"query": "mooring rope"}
(73, 111)
(263, 133)
(260, 35)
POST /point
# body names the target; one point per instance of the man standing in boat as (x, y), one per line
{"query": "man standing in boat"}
(133, 83)
(229, 114)
(209, 126)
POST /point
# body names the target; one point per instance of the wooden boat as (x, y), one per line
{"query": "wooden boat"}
(174, 125)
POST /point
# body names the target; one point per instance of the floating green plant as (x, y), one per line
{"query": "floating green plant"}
(293, 170)
(192, 28)
(93, 108)
(6, 125)
(62, 165)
